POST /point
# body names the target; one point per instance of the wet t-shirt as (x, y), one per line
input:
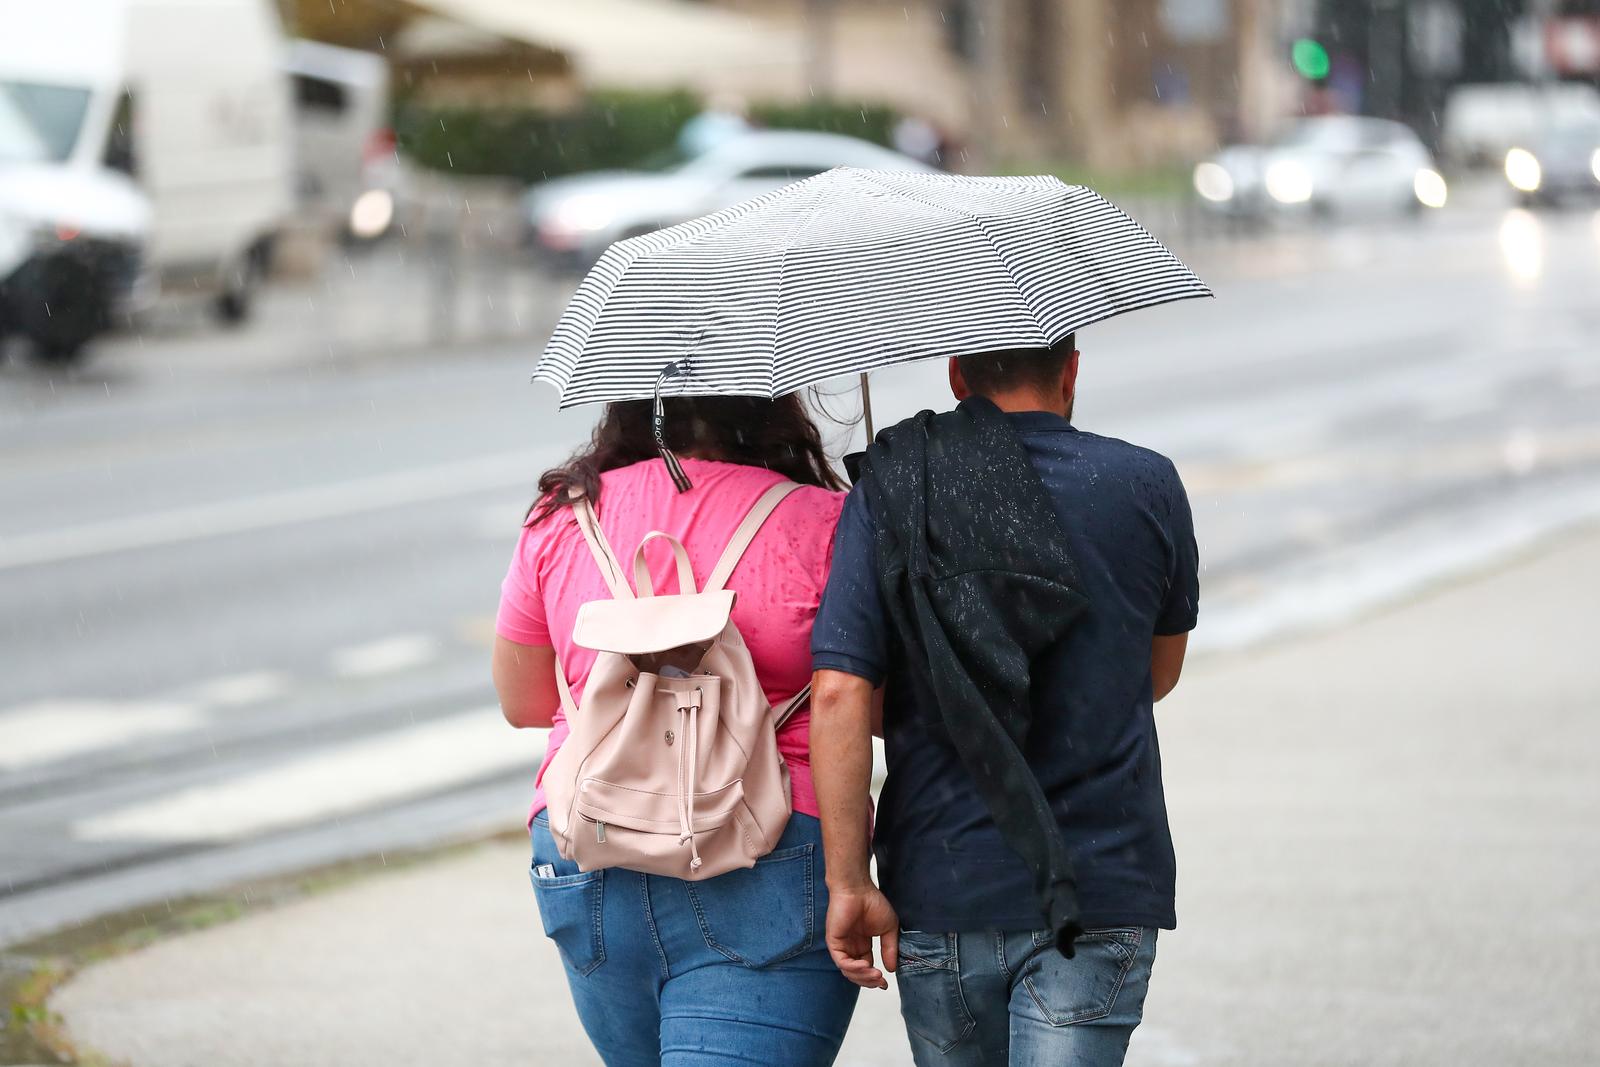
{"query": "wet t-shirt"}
(1093, 743)
(778, 581)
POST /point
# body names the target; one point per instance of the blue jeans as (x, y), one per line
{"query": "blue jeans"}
(999, 999)
(731, 970)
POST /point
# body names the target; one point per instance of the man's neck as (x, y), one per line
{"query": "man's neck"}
(1027, 400)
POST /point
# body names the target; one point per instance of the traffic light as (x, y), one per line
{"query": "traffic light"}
(1310, 59)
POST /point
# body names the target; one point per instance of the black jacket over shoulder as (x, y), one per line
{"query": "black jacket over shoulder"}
(977, 581)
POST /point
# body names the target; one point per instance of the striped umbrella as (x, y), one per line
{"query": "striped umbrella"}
(848, 272)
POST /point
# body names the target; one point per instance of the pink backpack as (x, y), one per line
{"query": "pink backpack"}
(672, 765)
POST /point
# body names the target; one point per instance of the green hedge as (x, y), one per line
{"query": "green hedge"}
(869, 122)
(612, 129)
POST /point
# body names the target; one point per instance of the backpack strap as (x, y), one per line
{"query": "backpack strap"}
(604, 557)
(796, 702)
(569, 706)
(758, 514)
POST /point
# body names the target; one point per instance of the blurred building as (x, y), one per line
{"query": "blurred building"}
(1112, 84)
(1120, 84)
(1115, 84)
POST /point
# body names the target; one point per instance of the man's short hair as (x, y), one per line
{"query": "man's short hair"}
(989, 373)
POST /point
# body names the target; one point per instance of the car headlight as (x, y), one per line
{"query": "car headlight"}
(22, 239)
(1430, 188)
(1523, 170)
(372, 213)
(1288, 182)
(1213, 182)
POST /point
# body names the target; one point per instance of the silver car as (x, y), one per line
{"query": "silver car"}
(1335, 165)
(1561, 162)
(575, 218)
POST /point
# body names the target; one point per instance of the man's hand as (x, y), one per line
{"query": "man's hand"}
(855, 917)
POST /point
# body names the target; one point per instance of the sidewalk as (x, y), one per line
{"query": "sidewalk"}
(1387, 841)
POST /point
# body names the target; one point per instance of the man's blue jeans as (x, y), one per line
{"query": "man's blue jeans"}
(1012, 1000)
(731, 970)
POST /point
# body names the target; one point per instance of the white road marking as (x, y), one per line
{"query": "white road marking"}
(498, 471)
(236, 689)
(51, 730)
(385, 656)
(330, 783)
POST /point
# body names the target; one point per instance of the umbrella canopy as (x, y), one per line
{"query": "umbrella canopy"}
(848, 272)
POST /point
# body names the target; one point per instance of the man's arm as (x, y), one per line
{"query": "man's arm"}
(1166, 662)
(841, 771)
(1180, 607)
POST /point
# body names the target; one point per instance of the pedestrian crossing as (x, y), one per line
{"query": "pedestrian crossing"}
(212, 763)
(382, 657)
(328, 783)
(50, 730)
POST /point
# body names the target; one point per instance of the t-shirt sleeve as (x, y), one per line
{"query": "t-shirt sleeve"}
(849, 632)
(521, 617)
(1180, 608)
(826, 506)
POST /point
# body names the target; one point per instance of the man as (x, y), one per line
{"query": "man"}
(960, 915)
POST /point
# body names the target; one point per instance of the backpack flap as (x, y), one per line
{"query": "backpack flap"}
(652, 623)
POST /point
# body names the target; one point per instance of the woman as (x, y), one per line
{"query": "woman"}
(734, 971)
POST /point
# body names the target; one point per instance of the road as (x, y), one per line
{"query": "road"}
(247, 583)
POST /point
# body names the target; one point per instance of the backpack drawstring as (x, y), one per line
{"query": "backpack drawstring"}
(688, 724)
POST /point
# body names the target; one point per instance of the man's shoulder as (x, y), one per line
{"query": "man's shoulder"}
(1114, 450)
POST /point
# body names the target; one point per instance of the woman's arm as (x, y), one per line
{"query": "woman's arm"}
(525, 678)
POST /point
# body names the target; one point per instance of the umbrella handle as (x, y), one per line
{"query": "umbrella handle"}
(658, 426)
(866, 404)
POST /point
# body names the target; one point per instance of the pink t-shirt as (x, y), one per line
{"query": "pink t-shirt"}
(779, 580)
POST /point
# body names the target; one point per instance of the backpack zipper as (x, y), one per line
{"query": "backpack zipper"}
(600, 833)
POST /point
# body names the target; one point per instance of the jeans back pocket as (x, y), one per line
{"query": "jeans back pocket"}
(571, 908)
(1085, 987)
(760, 915)
(929, 980)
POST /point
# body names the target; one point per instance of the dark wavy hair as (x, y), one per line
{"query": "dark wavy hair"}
(777, 434)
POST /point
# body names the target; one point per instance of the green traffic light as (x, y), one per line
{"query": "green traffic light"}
(1310, 59)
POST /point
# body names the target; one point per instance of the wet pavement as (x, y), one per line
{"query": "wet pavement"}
(1386, 854)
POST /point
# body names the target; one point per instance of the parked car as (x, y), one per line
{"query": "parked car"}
(132, 158)
(1481, 123)
(1562, 162)
(574, 219)
(1332, 165)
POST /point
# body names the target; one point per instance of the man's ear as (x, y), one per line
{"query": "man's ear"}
(958, 384)
(1069, 380)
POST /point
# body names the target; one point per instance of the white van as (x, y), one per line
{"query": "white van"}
(344, 148)
(143, 144)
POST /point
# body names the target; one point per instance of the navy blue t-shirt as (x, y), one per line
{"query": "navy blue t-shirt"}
(1093, 742)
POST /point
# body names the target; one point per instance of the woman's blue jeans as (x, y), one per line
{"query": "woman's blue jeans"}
(731, 970)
